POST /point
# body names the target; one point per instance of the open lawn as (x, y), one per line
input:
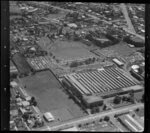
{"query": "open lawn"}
(21, 64)
(121, 49)
(49, 94)
(69, 50)
(140, 112)
(65, 50)
(138, 95)
(102, 127)
(14, 9)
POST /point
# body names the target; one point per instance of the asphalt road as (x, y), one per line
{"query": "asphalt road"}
(125, 12)
(141, 37)
(95, 116)
(131, 31)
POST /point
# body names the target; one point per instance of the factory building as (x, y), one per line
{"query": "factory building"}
(138, 71)
(118, 62)
(13, 70)
(105, 81)
(130, 123)
(92, 101)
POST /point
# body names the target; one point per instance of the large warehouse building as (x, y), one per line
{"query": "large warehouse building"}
(130, 123)
(105, 81)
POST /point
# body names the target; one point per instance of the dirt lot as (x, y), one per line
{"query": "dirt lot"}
(49, 94)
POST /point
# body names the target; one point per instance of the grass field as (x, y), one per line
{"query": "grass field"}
(138, 95)
(50, 96)
(121, 49)
(65, 50)
(69, 50)
(140, 112)
(13, 8)
(102, 127)
(21, 63)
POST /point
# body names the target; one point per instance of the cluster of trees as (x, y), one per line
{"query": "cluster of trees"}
(88, 61)
(31, 53)
(113, 39)
(129, 98)
(137, 43)
(33, 101)
(95, 110)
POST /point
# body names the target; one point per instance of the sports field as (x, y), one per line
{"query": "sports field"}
(50, 96)
(69, 50)
(66, 50)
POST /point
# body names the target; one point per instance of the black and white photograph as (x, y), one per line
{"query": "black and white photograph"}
(76, 66)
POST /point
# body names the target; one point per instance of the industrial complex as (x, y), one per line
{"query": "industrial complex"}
(77, 66)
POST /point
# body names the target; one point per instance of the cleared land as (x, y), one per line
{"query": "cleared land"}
(49, 94)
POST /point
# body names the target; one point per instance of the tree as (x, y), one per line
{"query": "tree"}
(131, 93)
(101, 120)
(133, 115)
(74, 64)
(104, 108)
(106, 118)
(115, 115)
(34, 103)
(137, 110)
(97, 109)
(124, 98)
(92, 111)
(32, 99)
(79, 125)
(117, 99)
(94, 59)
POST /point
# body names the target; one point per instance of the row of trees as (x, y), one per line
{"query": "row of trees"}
(129, 98)
(106, 118)
(88, 61)
(97, 109)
